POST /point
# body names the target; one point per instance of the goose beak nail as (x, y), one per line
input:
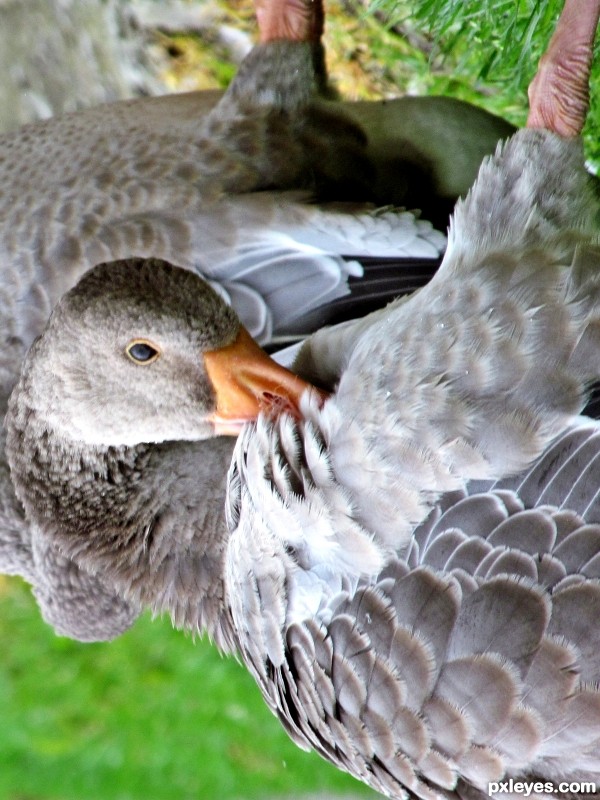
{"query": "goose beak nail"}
(247, 381)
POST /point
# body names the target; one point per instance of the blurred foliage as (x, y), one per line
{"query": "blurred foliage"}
(498, 40)
(481, 51)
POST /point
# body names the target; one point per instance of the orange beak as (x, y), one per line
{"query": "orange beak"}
(246, 381)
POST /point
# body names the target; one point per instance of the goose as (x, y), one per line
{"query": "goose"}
(417, 605)
(409, 567)
(176, 178)
(427, 616)
(132, 179)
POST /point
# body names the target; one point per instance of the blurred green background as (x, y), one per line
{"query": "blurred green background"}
(155, 714)
(482, 51)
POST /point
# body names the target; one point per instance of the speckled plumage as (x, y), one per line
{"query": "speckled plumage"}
(177, 178)
(422, 607)
(410, 571)
(110, 458)
(469, 657)
(426, 647)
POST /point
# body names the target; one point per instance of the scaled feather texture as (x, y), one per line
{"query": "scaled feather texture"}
(410, 569)
(426, 618)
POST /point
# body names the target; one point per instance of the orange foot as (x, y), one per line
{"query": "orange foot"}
(559, 93)
(294, 20)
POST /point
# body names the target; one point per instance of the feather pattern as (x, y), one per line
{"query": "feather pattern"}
(410, 571)
(476, 372)
(176, 177)
(463, 667)
(447, 575)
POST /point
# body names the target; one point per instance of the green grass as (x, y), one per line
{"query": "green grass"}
(151, 716)
(486, 52)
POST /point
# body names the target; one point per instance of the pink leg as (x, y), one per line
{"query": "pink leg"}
(294, 20)
(559, 95)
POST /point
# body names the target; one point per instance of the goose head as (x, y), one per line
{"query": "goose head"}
(111, 430)
(142, 351)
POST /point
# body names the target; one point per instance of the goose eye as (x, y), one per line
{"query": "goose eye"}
(142, 351)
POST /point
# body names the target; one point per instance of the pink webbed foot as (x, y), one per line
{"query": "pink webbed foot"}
(559, 93)
(293, 20)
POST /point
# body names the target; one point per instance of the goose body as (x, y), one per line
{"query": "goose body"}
(409, 569)
(468, 660)
(426, 618)
(175, 178)
(427, 614)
